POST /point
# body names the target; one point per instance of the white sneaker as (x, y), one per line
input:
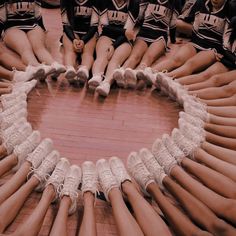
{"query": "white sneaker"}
(35, 71)
(25, 87)
(95, 81)
(130, 78)
(70, 74)
(193, 111)
(172, 148)
(139, 171)
(7, 121)
(89, 178)
(71, 185)
(187, 146)
(17, 137)
(195, 121)
(21, 76)
(42, 173)
(10, 130)
(59, 68)
(22, 150)
(7, 103)
(106, 178)
(57, 177)
(119, 171)
(163, 156)
(40, 152)
(103, 89)
(83, 74)
(150, 77)
(48, 69)
(13, 109)
(191, 132)
(118, 76)
(152, 165)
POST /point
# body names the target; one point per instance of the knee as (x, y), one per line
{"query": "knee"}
(216, 80)
(228, 90)
(177, 61)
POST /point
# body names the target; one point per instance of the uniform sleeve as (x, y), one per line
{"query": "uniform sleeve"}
(93, 24)
(38, 14)
(189, 10)
(67, 28)
(3, 16)
(142, 8)
(133, 13)
(175, 14)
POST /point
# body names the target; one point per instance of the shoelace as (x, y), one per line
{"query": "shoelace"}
(70, 187)
(106, 179)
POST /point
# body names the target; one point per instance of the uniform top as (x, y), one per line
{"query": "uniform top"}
(116, 17)
(188, 11)
(80, 15)
(22, 14)
(208, 26)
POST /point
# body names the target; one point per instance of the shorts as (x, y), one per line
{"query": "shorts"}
(149, 42)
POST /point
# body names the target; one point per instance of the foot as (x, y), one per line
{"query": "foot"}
(82, 74)
(118, 76)
(130, 78)
(103, 89)
(94, 82)
(70, 74)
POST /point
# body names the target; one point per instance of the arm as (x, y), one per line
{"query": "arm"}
(38, 15)
(2, 15)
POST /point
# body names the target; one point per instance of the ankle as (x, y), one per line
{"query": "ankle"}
(128, 187)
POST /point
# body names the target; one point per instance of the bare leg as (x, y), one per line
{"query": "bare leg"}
(220, 152)
(197, 211)
(184, 53)
(222, 76)
(216, 92)
(10, 59)
(197, 63)
(144, 213)
(191, 80)
(22, 45)
(88, 226)
(210, 178)
(218, 120)
(216, 164)
(7, 164)
(119, 56)
(221, 206)
(225, 131)
(10, 208)
(230, 101)
(101, 61)
(6, 74)
(37, 41)
(221, 141)
(69, 54)
(154, 51)
(125, 222)
(87, 58)
(226, 111)
(14, 182)
(59, 225)
(136, 54)
(180, 223)
(3, 152)
(33, 224)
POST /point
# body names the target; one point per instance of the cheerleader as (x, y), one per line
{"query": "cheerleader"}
(24, 33)
(80, 26)
(118, 18)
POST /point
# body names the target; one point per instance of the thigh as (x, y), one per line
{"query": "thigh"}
(22, 43)
(37, 37)
(121, 53)
(90, 46)
(103, 44)
(184, 53)
(139, 48)
(202, 60)
(156, 49)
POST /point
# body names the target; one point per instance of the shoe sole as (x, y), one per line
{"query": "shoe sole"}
(119, 79)
(39, 74)
(82, 78)
(130, 80)
(93, 84)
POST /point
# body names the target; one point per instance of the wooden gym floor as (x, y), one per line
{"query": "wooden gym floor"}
(86, 127)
